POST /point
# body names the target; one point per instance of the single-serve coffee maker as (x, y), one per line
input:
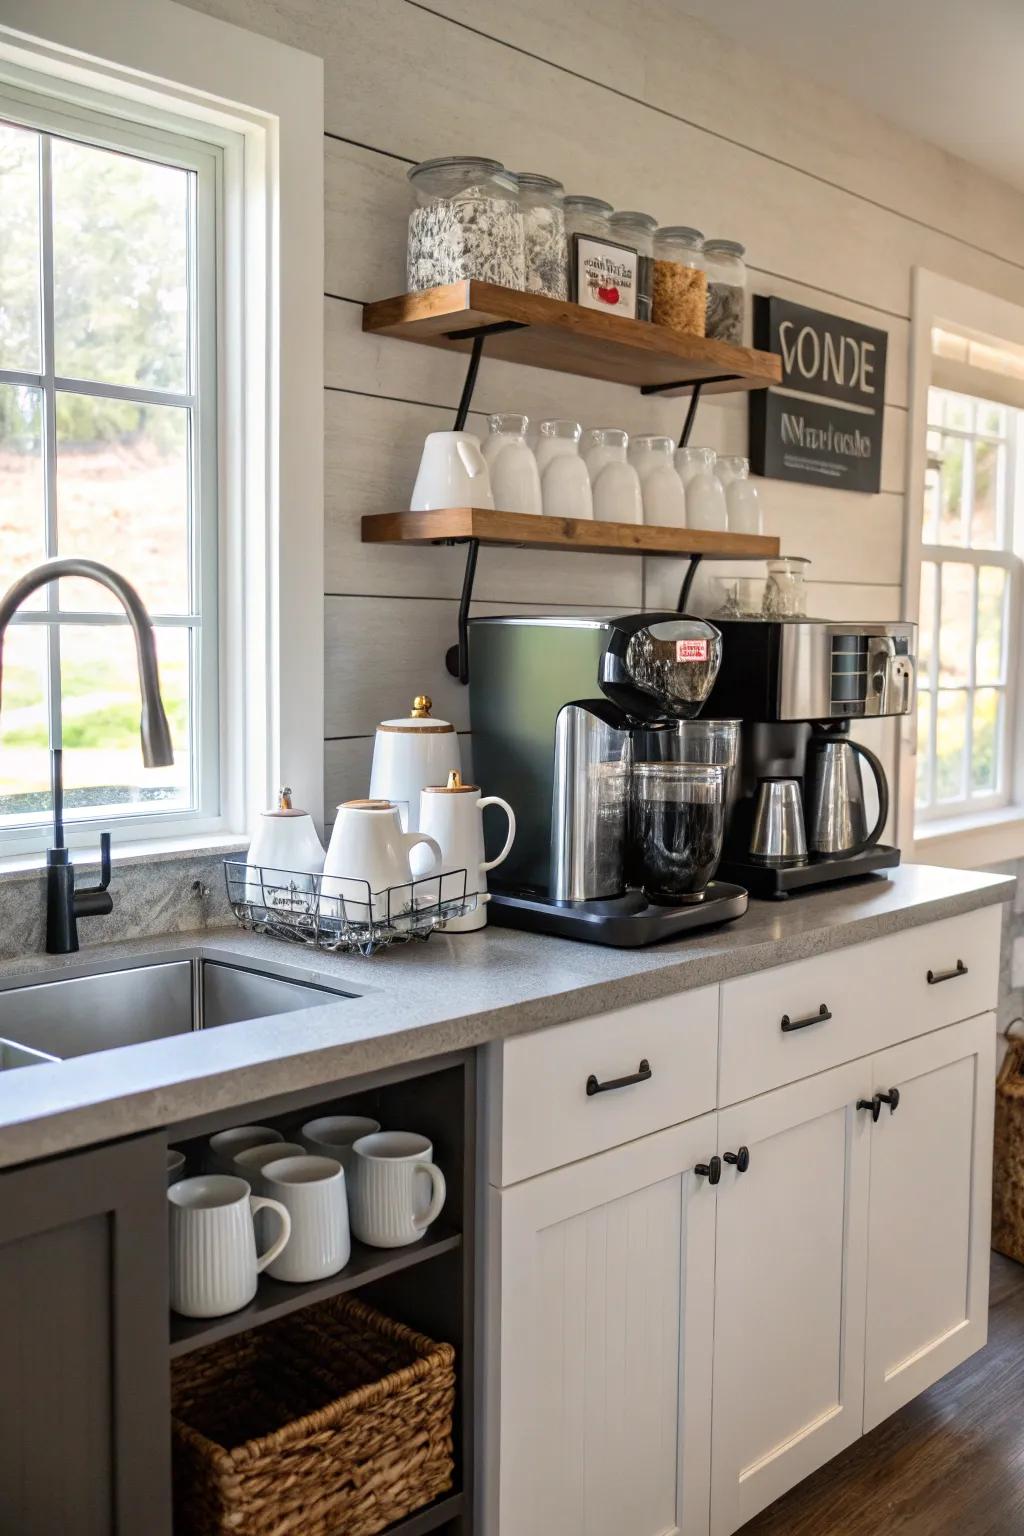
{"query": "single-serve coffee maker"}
(588, 727)
(797, 813)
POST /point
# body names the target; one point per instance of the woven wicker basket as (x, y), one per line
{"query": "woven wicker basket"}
(333, 1420)
(1008, 1167)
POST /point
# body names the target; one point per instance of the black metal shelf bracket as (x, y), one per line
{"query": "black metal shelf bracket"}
(457, 656)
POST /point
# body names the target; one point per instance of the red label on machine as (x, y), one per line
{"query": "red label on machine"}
(691, 650)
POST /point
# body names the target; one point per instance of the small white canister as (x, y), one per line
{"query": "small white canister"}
(409, 753)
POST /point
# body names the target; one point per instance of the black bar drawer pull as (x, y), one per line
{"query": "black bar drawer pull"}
(821, 1017)
(934, 977)
(641, 1075)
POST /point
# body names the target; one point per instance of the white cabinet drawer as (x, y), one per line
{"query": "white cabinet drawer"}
(541, 1113)
(876, 995)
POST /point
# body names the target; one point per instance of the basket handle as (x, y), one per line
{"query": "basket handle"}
(421, 1223)
(261, 1203)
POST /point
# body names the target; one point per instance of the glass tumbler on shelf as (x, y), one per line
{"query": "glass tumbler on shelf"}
(680, 280)
(467, 223)
(727, 290)
(515, 478)
(637, 231)
(785, 594)
(541, 202)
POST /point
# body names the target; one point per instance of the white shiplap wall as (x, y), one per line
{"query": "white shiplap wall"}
(633, 101)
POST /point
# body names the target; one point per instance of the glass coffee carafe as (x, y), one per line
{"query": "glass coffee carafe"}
(677, 826)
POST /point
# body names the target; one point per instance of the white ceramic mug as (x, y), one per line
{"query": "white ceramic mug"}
(223, 1148)
(334, 1135)
(251, 1161)
(396, 1190)
(214, 1264)
(452, 473)
(312, 1190)
(175, 1165)
(453, 814)
(367, 875)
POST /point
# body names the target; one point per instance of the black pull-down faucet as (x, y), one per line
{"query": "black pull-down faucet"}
(65, 905)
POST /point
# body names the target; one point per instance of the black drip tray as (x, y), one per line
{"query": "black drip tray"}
(624, 922)
(776, 882)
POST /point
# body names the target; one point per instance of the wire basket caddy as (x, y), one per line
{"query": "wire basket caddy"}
(335, 912)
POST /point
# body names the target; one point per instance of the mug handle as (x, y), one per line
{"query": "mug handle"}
(473, 461)
(510, 813)
(421, 1223)
(261, 1203)
(411, 840)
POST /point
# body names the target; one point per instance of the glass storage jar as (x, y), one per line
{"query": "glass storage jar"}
(541, 200)
(680, 280)
(785, 596)
(727, 290)
(637, 231)
(466, 224)
(586, 216)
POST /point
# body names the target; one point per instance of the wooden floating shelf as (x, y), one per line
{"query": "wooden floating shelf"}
(276, 1298)
(548, 333)
(526, 531)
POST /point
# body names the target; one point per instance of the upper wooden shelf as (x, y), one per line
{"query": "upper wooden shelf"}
(547, 333)
(529, 532)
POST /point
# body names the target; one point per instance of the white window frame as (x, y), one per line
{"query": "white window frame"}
(992, 833)
(259, 103)
(51, 119)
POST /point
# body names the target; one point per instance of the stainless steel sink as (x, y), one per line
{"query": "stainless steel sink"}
(150, 1001)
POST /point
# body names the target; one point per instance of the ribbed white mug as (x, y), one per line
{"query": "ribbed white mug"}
(223, 1147)
(312, 1189)
(335, 1135)
(396, 1189)
(214, 1264)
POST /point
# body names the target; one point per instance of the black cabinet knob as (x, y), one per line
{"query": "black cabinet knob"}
(739, 1160)
(712, 1171)
(892, 1098)
(875, 1106)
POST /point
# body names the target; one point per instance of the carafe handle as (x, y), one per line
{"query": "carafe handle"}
(882, 787)
(510, 839)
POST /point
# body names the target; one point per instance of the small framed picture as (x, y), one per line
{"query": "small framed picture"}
(604, 275)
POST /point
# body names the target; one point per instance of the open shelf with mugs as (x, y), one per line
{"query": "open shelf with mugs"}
(328, 1385)
(568, 338)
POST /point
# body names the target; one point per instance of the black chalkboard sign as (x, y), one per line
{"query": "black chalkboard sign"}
(823, 424)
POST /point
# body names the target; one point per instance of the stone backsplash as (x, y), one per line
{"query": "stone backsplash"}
(152, 896)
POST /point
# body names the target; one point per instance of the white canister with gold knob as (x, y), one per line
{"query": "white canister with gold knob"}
(409, 753)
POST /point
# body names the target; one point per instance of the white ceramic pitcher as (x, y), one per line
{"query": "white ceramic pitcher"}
(452, 814)
(452, 473)
(368, 862)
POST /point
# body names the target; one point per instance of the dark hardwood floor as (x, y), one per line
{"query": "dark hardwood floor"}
(949, 1464)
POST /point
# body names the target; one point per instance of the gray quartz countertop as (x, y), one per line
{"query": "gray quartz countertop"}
(420, 1000)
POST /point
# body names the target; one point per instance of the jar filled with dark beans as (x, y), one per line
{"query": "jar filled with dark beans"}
(727, 290)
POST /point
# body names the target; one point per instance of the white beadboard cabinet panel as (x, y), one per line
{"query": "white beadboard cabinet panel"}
(790, 1274)
(527, 112)
(601, 1336)
(931, 1188)
(371, 455)
(381, 652)
(682, 66)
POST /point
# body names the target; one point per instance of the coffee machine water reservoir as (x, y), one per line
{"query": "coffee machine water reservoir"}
(574, 721)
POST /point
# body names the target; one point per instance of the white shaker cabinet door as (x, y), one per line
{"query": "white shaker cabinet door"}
(602, 1320)
(930, 1212)
(790, 1278)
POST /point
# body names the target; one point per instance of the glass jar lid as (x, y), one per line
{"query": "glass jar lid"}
(683, 234)
(725, 247)
(586, 204)
(605, 437)
(656, 444)
(629, 219)
(449, 175)
(508, 422)
(453, 162)
(534, 181)
(568, 429)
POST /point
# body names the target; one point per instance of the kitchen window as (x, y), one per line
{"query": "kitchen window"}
(108, 450)
(969, 607)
